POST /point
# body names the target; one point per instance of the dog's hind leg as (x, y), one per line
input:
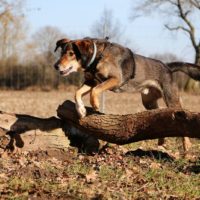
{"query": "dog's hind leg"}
(172, 99)
(149, 100)
(85, 89)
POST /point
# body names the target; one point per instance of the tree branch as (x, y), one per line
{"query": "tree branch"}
(177, 28)
(172, 2)
(188, 23)
(195, 3)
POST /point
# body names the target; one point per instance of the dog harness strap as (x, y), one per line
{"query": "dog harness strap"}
(93, 56)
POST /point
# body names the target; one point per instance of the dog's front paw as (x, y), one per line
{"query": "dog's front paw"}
(81, 110)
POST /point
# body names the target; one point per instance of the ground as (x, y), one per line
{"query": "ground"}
(135, 171)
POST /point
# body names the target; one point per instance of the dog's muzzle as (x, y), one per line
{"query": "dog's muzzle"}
(66, 72)
(63, 72)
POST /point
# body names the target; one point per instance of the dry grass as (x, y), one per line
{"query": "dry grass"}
(120, 173)
(44, 104)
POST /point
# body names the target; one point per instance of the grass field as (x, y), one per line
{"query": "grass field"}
(135, 171)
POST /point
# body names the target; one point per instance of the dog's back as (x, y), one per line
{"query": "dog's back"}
(147, 72)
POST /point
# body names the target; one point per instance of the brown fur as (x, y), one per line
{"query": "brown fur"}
(115, 67)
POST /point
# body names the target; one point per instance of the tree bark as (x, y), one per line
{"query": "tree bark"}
(124, 129)
(197, 55)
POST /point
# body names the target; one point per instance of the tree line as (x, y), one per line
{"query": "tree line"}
(26, 62)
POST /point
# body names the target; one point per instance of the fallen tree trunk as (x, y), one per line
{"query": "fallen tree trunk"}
(124, 129)
(119, 129)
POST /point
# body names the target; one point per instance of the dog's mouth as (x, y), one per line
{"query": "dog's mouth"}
(67, 71)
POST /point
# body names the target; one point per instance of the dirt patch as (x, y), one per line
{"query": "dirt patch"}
(59, 154)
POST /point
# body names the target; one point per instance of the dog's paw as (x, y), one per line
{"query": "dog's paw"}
(81, 110)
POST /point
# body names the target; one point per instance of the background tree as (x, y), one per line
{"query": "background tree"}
(183, 11)
(12, 36)
(183, 16)
(109, 26)
(12, 27)
(106, 25)
(45, 40)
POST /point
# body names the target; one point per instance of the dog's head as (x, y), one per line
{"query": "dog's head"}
(74, 55)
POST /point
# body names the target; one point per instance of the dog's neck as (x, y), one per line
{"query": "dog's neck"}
(92, 53)
(93, 56)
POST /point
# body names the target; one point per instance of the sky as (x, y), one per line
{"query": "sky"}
(76, 17)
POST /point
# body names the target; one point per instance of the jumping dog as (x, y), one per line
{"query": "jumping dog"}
(110, 66)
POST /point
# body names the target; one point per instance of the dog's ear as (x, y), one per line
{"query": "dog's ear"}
(81, 49)
(61, 43)
(76, 51)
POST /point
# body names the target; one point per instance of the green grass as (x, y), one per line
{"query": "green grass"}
(113, 176)
(177, 184)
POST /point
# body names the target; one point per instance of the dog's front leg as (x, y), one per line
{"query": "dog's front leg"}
(78, 98)
(96, 91)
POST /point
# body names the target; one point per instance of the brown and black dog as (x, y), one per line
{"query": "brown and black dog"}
(110, 66)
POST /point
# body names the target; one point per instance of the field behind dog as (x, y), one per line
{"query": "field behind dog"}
(136, 171)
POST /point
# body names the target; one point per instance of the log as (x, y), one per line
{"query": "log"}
(124, 129)
(32, 133)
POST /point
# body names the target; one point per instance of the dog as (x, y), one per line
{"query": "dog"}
(110, 66)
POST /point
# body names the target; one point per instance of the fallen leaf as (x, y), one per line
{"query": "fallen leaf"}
(155, 165)
(91, 177)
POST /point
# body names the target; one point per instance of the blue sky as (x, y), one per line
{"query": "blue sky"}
(75, 17)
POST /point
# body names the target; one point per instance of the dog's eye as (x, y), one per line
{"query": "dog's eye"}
(71, 53)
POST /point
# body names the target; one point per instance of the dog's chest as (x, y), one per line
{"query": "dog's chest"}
(94, 78)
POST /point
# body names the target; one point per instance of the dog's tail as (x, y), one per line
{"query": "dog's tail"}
(190, 69)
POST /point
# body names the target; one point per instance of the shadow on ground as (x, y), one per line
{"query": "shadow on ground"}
(158, 155)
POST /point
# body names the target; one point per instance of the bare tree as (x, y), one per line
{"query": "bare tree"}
(45, 40)
(183, 16)
(183, 11)
(107, 25)
(12, 35)
(12, 23)
(46, 37)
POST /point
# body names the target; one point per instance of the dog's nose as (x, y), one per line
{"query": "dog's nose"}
(56, 66)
